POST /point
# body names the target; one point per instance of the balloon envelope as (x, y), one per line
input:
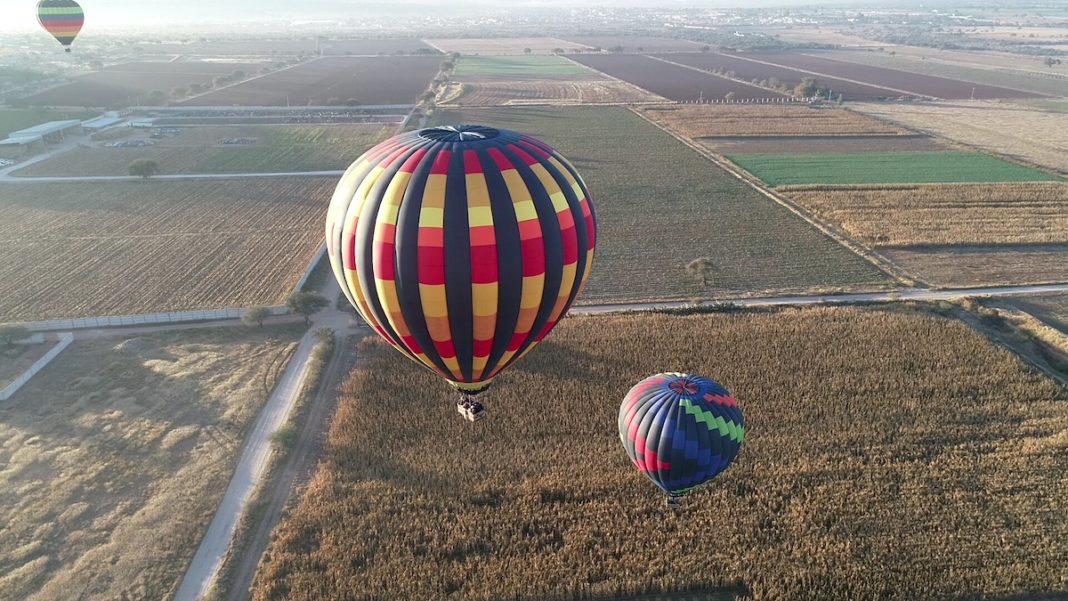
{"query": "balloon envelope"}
(680, 430)
(461, 246)
(61, 18)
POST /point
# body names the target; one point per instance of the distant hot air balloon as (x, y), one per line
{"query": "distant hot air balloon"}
(680, 430)
(462, 247)
(61, 18)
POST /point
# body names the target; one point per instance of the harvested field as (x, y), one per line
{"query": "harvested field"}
(1013, 71)
(777, 77)
(885, 168)
(497, 46)
(818, 144)
(262, 47)
(636, 43)
(129, 84)
(1019, 131)
(912, 83)
(660, 205)
(115, 457)
(869, 442)
(495, 68)
(670, 81)
(277, 148)
(16, 119)
(117, 248)
(711, 120)
(961, 266)
(494, 93)
(973, 214)
(333, 81)
(1052, 309)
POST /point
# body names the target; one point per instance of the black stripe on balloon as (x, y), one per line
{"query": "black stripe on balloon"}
(364, 256)
(552, 242)
(406, 253)
(509, 259)
(582, 237)
(458, 262)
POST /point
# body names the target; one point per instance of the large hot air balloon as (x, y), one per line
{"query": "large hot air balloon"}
(680, 431)
(61, 18)
(462, 247)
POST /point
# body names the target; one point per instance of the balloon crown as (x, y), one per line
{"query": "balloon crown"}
(459, 133)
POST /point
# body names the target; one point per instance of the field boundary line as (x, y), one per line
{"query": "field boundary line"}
(237, 83)
(319, 254)
(735, 80)
(622, 81)
(858, 82)
(880, 262)
(65, 340)
(119, 321)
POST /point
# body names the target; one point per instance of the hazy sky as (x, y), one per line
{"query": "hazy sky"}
(18, 15)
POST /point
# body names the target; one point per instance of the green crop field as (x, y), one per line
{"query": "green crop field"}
(519, 67)
(661, 205)
(16, 119)
(884, 168)
(277, 148)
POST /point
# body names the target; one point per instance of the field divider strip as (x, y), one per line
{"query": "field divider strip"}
(732, 79)
(880, 262)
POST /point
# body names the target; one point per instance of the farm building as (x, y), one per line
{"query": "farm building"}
(17, 147)
(51, 132)
(102, 122)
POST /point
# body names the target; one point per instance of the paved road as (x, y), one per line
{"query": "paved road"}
(916, 294)
(256, 454)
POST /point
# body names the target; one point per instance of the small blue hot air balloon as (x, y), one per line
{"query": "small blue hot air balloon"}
(680, 431)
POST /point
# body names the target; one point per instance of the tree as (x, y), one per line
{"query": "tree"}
(807, 88)
(144, 168)
(527, 51)
(702, 270)
(156, 97)
(306, 304)
(729, 96)
(255, 315)
(179, 92)
(9, 335)
(705, 48)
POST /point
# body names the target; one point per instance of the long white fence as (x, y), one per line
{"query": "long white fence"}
(64, 341)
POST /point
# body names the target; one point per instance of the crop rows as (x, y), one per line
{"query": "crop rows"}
(670, 81)
(133, 247)
(660, 205)
(877, 464)
(494, 93)
(702, 121)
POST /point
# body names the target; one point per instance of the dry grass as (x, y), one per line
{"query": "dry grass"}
(114, 248)
(503, 46)
(1017, 213)
(890, 455)
(494, 93)
(711, 120)
(1016, 130)
(1052, 309)
(114, 458)
(15, 361)
(963, 266)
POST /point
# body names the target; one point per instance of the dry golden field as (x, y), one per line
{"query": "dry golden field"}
(116, 248)
(495, 93)
(114, 458)
(1052, 309)
(1015, 130)
(277, 148)
(877, 464)
(902, 215)
(711, 120)
(963, 266)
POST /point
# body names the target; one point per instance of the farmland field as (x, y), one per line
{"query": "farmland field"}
(884, 168)
(495, 93)
(774, 76)
(499, 46)
(710, 120)
(636, 43)
(1009, 71)
(913, 83)
(333, 80)
(16, 119)
(1015, 130)
(129, 84)
(116, 248)
(817, 144)
(277, 148)
(670, 81)
(115, 457)
(519, 67)
(660, 205)
(960, 266)
(267, 47)
(876, 464)
(936, 214)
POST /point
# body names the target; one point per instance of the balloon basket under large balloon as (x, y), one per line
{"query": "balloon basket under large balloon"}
(672, 502)
(67, 50)
(469, 407)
